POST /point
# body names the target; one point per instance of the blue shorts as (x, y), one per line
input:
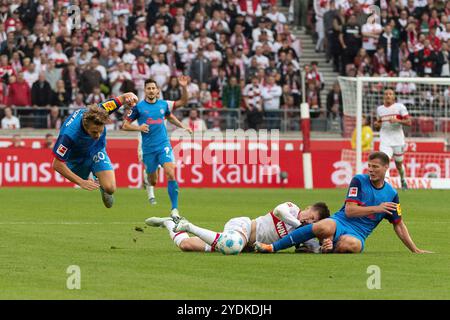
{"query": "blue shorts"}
(153, 159)
(344, 228)
(99, 162)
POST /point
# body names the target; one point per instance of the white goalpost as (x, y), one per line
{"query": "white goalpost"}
(428, 103)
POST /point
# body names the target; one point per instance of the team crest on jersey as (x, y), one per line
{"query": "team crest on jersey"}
(62, 150)
(353, 192)
(161, 110)
(130, 113)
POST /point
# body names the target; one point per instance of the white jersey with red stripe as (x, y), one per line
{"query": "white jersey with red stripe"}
(391, 134)
(269, 228)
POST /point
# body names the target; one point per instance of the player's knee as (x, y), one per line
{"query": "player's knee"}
(170, 174)
(348, 245)
(323, 230)
(186, 246)
(110, 189)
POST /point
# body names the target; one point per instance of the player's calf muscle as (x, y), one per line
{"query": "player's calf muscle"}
(324, 229)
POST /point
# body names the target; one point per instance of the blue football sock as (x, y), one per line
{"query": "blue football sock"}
(172, 188)
(297, 236)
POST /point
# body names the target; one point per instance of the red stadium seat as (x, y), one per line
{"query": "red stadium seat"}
(426, 125)
(444, 125)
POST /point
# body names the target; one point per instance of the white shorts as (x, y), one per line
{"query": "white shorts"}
(395, 152)
(241, 224)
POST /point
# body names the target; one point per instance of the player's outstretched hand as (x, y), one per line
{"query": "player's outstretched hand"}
(183, 80)
(89, 184)
(144, 128)
(387, 207)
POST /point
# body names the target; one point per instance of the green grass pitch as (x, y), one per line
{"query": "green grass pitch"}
(44, 231)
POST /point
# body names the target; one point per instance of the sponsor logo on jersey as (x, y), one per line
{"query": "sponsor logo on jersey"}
(62, 150)
(109, 105)
(353, 192)
(152, 121)
(281, 229)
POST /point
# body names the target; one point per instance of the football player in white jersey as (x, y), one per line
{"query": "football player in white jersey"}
(391, 117)
(267, 228)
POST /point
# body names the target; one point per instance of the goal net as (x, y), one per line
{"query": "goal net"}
(427, 101)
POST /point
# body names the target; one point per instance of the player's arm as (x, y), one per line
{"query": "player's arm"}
(377, 124)
(173, 120)
(355, 206)
(404, 120)
(112, 105)
(132, 115)
(183, 81)
(402, 232)
(63, 169)
(282, 213)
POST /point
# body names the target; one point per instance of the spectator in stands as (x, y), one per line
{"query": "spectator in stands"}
(335, 107)
(61, 97)
(19, 93)
(443, 61)
(194, 122)
(253, 104)
(31, 74)
(10, 121)
(371, 32)
(231, 99)
(328, 18)
(350, 40)
(313, 99)
(173, 91)
(300, 13)
(41, 92)
(95, 97)
(427, 59)
(117, 78)
(140, 72)
(17, 141)
(271, 93)
(54, 119)
(49, 141)
(200, 68)
(91, 78)
(160, 72)
(52, 74)
(391, 47)
(78, 103)
(204, 94)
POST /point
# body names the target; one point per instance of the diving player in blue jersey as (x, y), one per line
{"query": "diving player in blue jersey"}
(150, 114)
(370, 199)
(81, 147)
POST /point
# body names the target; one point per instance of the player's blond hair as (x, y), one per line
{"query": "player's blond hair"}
(95, 115)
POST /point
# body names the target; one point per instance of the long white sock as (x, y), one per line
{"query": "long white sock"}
(176, 237)
(150, 191)
(210, 237)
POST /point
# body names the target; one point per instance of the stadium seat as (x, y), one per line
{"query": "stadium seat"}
(444, 125)
(426, 125)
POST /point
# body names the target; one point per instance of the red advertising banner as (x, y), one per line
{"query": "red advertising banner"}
(249, 164)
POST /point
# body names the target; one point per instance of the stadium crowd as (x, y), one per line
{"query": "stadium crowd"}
(242, 57)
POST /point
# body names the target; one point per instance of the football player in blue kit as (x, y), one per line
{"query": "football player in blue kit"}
(150, 114)
(370, 199)
(81, 147)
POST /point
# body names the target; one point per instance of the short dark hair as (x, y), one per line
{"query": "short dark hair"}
(150, 80)
(383, 157)
(322, 209)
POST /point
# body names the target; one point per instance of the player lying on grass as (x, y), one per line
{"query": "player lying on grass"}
(268, 228)
(81, 147)
(370, 199)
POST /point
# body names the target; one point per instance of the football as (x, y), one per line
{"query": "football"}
(230, 242)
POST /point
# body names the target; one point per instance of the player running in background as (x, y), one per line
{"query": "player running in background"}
(391, 116)
(370, 199)
(81, 147)
(156, 149)
(268, 228)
